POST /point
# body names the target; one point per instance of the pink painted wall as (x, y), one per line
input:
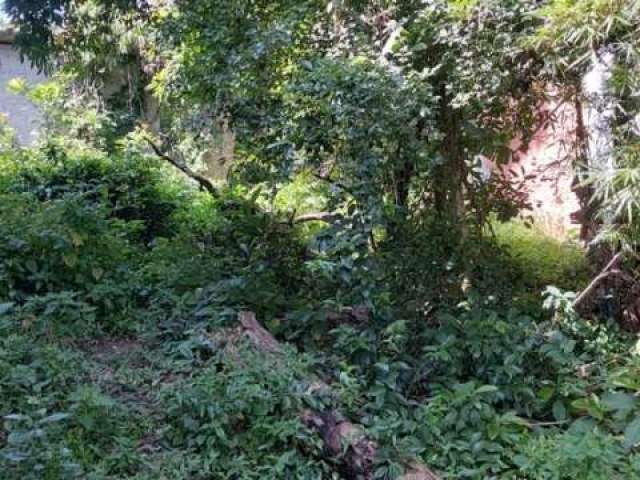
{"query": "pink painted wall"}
(546, 166)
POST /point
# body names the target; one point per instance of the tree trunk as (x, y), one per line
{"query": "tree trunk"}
(595, 114)
(599, 111)
(450, 177)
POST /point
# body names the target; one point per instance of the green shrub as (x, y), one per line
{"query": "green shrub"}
(242, 415)
(131, 186)
(98, 428)
(7, 135)
(233, 255)
(63, 244)
(588, 455)
(34, 450)
(34, 376)
(467, 431)
(541, 260)
(91, 434)
(58, 315)
(485, 345)
(67, 264)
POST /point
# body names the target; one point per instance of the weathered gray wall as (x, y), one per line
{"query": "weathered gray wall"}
(22, 115)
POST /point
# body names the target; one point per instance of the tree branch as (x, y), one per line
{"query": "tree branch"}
(606, 272)
(203, 181)
(326, 217)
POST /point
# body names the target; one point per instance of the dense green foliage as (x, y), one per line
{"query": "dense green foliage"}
(408, 299)
(115, 250)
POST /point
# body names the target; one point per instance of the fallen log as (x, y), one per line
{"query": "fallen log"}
(343, 440)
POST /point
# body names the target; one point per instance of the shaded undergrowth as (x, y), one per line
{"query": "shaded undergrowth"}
(115, 279)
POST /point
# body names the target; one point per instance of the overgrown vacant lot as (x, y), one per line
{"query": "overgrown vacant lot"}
(288, 240)
(123, 356)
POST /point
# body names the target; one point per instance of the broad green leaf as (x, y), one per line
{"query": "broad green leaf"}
(56, 417)
(6, 307)
(486, 389)
(559, 411)
(618, 401)
(15, 417)
(546, 392)
(632, 434)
